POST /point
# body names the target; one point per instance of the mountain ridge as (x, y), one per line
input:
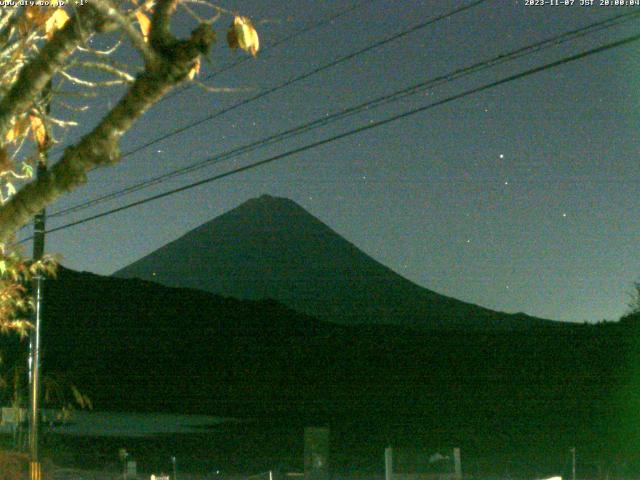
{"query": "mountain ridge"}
(139, 346)
(271, 247)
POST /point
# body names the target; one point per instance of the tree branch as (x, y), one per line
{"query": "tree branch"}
(159, 34)
(106, 8)
(33, 78)
(101, 146)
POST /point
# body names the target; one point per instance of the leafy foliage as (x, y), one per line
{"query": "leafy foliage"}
(15, 300)
(50, 70)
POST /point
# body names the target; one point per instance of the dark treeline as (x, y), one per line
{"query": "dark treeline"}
(529, 394)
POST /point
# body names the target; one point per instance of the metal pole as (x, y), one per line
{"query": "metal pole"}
(34, 340)
(34, 344)
(175, 470)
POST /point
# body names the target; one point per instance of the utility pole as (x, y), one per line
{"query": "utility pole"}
(573, 453)
(34, 337)
(34, 346)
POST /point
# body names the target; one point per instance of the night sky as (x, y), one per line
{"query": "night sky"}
(520, 198)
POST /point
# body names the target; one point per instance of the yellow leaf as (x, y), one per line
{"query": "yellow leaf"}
(38, 130)
(36, 15)
(243, 35)
(55, 22)
(17, 130)
(33, 18)
(11, 135)
(26, 169)
(148, 5)
(11, 190)
(145, 24)
(195, 69)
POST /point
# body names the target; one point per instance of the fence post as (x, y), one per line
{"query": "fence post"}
(388, 463)
(457, 464)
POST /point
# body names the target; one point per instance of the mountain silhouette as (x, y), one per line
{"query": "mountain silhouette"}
(134, 345)
(271, 247)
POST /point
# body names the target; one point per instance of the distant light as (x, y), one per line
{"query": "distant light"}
(501, 155)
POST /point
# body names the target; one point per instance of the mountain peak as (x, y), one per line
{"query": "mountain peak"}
(271, 247)
(269, 202)
(265, 198)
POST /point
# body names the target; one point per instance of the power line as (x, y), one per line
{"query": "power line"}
(411, 90)
(283, 40)
(355, 131)
(296, 79)
(244, 59)
(304, 76)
